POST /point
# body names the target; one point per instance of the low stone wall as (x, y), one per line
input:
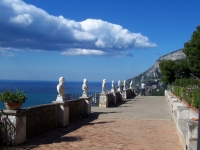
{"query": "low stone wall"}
(118, 97)
(40, 119)
(109, 99)
(76, 109)
(185, 120)
(18, 125)
(129, 93)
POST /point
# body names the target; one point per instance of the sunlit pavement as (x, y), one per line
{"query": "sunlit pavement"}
(135, 124)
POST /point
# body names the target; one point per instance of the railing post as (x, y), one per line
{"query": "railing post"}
(13, 128)
(103, 100)
(63, 113)
(87, 105)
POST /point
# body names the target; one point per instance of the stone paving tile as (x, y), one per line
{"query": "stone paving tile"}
(118, 134)
(117, 128)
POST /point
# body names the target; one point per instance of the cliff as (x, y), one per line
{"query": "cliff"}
(152, 76)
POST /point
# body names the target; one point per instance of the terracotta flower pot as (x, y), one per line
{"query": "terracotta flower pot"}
(13, 105)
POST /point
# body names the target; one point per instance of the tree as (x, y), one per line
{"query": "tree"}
(183, 70)
(192, 52)
(168, 70)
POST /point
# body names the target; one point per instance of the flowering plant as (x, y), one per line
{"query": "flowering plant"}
(15, 96)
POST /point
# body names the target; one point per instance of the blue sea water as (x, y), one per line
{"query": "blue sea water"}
(44, 92)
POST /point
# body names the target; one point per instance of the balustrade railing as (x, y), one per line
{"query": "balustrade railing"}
(94, 97)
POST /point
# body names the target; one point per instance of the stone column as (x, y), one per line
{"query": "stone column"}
(13, 126)
(63, 113)
(87, 106)
(115, 99)
(103, 100)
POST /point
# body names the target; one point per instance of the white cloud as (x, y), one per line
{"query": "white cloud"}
(83, 52)
(24, 19)
(27, 27)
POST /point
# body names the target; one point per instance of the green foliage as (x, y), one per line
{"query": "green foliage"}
(15, 96)
(156, 92)
(190, 93)
(183, 82)
(192, 52)
(196, 98)
(168, 69)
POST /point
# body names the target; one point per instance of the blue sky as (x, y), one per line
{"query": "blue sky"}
(93, 39)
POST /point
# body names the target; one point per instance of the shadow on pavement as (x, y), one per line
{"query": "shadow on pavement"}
(60, 134)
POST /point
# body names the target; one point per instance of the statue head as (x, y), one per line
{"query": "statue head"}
(104, 80)
(61, 80)
(84, 81)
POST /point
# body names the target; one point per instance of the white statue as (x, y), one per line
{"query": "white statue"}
(119, 86)
(131, 85)
(104, 86)
(124, 85)
(61, 90)
(113, 86)
(85, 88)
(60, 87)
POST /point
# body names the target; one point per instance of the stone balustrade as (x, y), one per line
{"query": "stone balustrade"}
(109, 99)
(184, 118)
(18, 125)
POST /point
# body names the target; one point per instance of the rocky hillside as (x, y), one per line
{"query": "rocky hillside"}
(152, 76)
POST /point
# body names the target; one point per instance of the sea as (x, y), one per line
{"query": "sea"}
(44, 92)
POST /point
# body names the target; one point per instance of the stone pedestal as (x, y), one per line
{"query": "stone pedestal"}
(63, 113)
(84, 95)
(60, 98)
(103, 100)
(13, 126)
(115, 98)
(87, 106)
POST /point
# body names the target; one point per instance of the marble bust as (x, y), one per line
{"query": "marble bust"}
(85, 88)
(104, 85)
(131, 85)
(113, 86)
(124, 85)
(60, 87)
(119, 86)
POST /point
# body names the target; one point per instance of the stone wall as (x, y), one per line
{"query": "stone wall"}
(111, 99)
(18, 125)
(76, 109)
(118, 97)
(40, 119)
(129, 93)
(186, 121)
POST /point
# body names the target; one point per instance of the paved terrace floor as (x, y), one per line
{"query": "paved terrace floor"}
(141, 123)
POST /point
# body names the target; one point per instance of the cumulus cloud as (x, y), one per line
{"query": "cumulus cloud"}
(26, 27)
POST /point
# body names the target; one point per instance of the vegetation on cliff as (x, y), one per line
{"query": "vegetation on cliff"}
(183, 75)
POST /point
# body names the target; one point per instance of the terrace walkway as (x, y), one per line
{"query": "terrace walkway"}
(141, 123)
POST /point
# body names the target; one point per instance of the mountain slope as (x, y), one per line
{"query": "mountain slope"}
(152, 76)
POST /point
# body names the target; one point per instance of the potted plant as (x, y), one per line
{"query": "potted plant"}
(13, 100)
